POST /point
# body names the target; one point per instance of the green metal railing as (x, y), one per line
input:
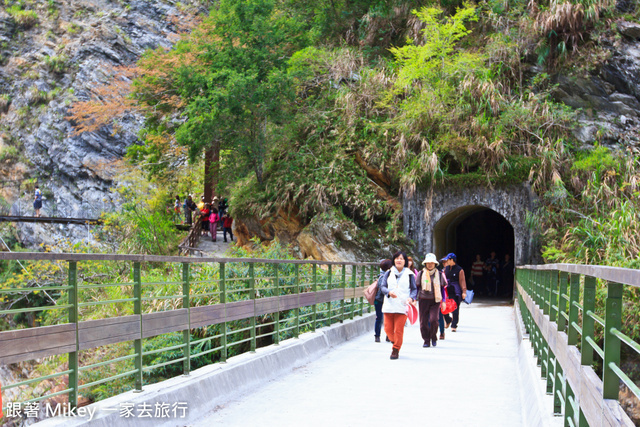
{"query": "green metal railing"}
(566, 325)
(234, 305)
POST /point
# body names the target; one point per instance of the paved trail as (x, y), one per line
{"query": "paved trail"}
(469, 379)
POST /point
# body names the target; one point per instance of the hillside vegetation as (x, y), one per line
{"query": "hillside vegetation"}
(349, 105)
(341, 107)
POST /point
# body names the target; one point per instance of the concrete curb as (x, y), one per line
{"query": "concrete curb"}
(215, 385)
(536, 404)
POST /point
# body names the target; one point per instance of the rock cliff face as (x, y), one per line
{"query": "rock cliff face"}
(326, 237)
(610, 96)
(50, 63)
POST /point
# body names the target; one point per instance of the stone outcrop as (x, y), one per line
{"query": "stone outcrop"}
(610, 96)
(46, 68)
(326, 237)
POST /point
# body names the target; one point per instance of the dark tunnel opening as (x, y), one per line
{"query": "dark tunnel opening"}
(476, 230)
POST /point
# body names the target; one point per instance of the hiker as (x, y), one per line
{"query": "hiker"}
(491, 266)
(412, 266)
(176, 209)
(213, 223)
(189, 206)
(399, 288)
(227, 221)
(476, 274)
(204, 218)
(456, 289)
(37, 202)
(431, 287)
(223, 207)
(385, 265)
(507, 274)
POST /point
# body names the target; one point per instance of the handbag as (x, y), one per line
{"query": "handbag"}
(469, 297)
(412, 313)
(448, 305)
(370, 292)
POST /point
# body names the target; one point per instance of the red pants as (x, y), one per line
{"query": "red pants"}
(394, 328)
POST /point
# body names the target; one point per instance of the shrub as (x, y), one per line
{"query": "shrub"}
(56, 64)
(5, 101)
(24, 18)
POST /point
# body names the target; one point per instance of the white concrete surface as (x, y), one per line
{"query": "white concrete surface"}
(470, 379)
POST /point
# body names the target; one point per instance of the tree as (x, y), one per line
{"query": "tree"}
(234, 87)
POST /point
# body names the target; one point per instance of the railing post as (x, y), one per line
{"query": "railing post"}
(546, 292)
(553, 297)
(361, 298)
(612, 320)
(562, 303)
(186, 335)
(569, 406)
(343, 285)
(73, 318)
(330, 275)
(137, 310)
(223, 300)
(587, 322)
(559, 390)
(354, 279)
(277, 313)
(314, 287)
(297, 329)
(574, 296)
(252, 296)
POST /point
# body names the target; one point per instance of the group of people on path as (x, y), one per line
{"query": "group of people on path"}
(400, 284)
(212, 215)
(492, 277)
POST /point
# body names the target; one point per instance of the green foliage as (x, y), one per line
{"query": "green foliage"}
(436, 59)
(24, 18)
(144, 225)
(9, 153)
(56, 64)
(596, 160)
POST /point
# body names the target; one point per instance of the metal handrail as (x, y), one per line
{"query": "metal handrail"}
(279, 279)
(566, 323)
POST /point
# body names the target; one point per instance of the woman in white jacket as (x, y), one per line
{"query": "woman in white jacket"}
(398, 285)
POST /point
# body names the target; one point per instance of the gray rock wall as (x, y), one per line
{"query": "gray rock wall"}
(608, 96)
(72, 170)
(425, 214)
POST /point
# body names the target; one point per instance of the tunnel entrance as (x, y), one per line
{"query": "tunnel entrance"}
(476, 230)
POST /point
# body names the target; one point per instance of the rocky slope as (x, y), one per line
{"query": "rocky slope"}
(608, 96)
(55, 53)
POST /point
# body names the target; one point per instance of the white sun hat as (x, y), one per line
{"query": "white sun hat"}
(430, 258)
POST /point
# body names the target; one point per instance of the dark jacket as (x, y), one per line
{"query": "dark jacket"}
(455, 277)
(430, 295)
(380, 295)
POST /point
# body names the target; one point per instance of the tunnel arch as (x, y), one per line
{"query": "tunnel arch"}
(430, 216)
(474, 230)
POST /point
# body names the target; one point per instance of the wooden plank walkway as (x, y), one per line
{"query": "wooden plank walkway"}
(50, 220)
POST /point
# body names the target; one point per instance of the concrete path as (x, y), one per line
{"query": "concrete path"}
(469, 379)
(208, 248)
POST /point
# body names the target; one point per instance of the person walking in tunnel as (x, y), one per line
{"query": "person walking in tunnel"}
(507, 274)
(491, 266)
(385, 265)
(398, 285)
(431, 284)
(456, 289)
(476, 274)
